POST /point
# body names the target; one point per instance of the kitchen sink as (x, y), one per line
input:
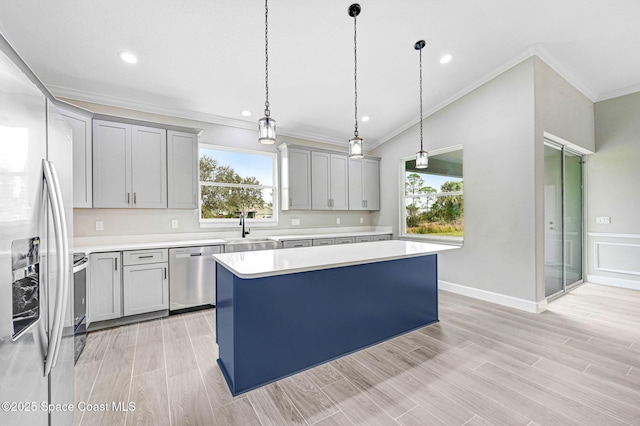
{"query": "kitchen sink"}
(250, 244)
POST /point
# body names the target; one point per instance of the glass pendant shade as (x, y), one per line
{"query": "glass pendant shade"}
(422, 160)
(267, 130)
(355, 148)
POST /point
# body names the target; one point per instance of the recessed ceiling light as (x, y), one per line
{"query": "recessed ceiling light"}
(446, 59)
(246, 113)
(365, 118)
(128, 57)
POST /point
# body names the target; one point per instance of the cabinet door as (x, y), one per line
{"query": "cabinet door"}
(338, 184)
(371, 181)
(105, 298)
(182, 170)
(149, 167)
(320, 176)
(82, 159)
(296, 179)
(146, 288)
(296, 244)
(111, 164)
(356, 196)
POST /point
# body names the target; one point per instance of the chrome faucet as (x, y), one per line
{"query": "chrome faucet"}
(244, 233)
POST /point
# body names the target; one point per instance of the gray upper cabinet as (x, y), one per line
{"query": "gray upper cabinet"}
(82, 158)
(182, 170)
(364, 184)
(129, 166)
(295, 172)
(149, 167)
(329, 181)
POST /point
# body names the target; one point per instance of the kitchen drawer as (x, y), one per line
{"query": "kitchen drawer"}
(364, 239)
(140, 257)
(323, 242)
(296, 243)
(344, 240)
(381, 237)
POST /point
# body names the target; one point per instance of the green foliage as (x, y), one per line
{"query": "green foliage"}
(218, 202)
(442, 215)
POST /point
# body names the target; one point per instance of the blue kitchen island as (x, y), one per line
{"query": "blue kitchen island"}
(279, 312)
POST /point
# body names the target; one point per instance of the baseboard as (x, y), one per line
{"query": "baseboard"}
(500, 299)
(614, 282)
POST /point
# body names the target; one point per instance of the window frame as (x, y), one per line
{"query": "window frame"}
(402, 229)
(233, 222)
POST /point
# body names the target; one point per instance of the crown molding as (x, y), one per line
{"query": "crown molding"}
(620, 92)
(534, 50)
(80, 95)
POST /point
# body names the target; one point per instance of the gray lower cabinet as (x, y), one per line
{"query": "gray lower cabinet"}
(344, 240)
(145, 281)
(323, 242)
(296, 243)
(105, 297)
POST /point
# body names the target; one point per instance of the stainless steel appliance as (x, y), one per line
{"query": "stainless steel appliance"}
(36, 323)
(80, 263)
(192, 277)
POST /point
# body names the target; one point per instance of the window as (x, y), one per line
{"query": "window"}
(235, 182)
(432, 200)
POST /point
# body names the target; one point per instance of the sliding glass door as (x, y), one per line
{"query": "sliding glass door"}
(562, 219)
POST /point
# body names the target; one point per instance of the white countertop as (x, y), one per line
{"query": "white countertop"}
(101, 248)
(320, 236)
(89, 245)
(258, 264)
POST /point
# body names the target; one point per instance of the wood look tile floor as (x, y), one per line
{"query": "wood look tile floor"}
(578, 363)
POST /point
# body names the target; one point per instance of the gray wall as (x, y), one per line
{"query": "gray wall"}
(158, 221)
(564, 112)
(495, 124)
(613, 178)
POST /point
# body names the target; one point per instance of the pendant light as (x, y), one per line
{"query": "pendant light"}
(266, 125)
(356, 143)
(422, 156)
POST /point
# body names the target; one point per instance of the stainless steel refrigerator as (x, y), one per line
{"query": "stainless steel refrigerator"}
(36, 321)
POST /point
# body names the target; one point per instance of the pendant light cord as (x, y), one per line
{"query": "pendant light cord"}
(355, 71)
(266, 57)
(421, 100)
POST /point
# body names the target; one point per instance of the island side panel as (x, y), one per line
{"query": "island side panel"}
(288, 323)
(225, 322)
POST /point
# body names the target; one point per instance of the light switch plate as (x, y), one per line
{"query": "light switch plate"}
(295, 222)
(337, 220)
(174, 223)
(99, 225)
(362, 220)
(603, 219)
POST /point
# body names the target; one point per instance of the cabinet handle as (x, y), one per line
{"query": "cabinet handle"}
(290, 201)
(128, 197)
(366, 203)
(134, 198)
(145, 257)
(165, 273)
(362, 203)
(116, 259)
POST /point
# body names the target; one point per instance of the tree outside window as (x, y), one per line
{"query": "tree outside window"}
(230, 185)
(433, 198)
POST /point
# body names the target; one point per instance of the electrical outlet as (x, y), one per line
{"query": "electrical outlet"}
(174, 224)
(604, 219)
(99, 225)
(338, 220)
(362, 220)
(295, 222)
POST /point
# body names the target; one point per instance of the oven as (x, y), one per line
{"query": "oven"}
(80, 263)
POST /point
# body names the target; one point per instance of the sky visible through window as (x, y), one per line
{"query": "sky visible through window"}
(245, 164)
(435, 181)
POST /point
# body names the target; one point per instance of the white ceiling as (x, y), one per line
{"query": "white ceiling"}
(205, 59)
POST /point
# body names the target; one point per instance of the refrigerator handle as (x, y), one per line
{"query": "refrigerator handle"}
(62, 273)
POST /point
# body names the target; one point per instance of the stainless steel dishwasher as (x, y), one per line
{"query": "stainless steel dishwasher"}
(192, 277)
